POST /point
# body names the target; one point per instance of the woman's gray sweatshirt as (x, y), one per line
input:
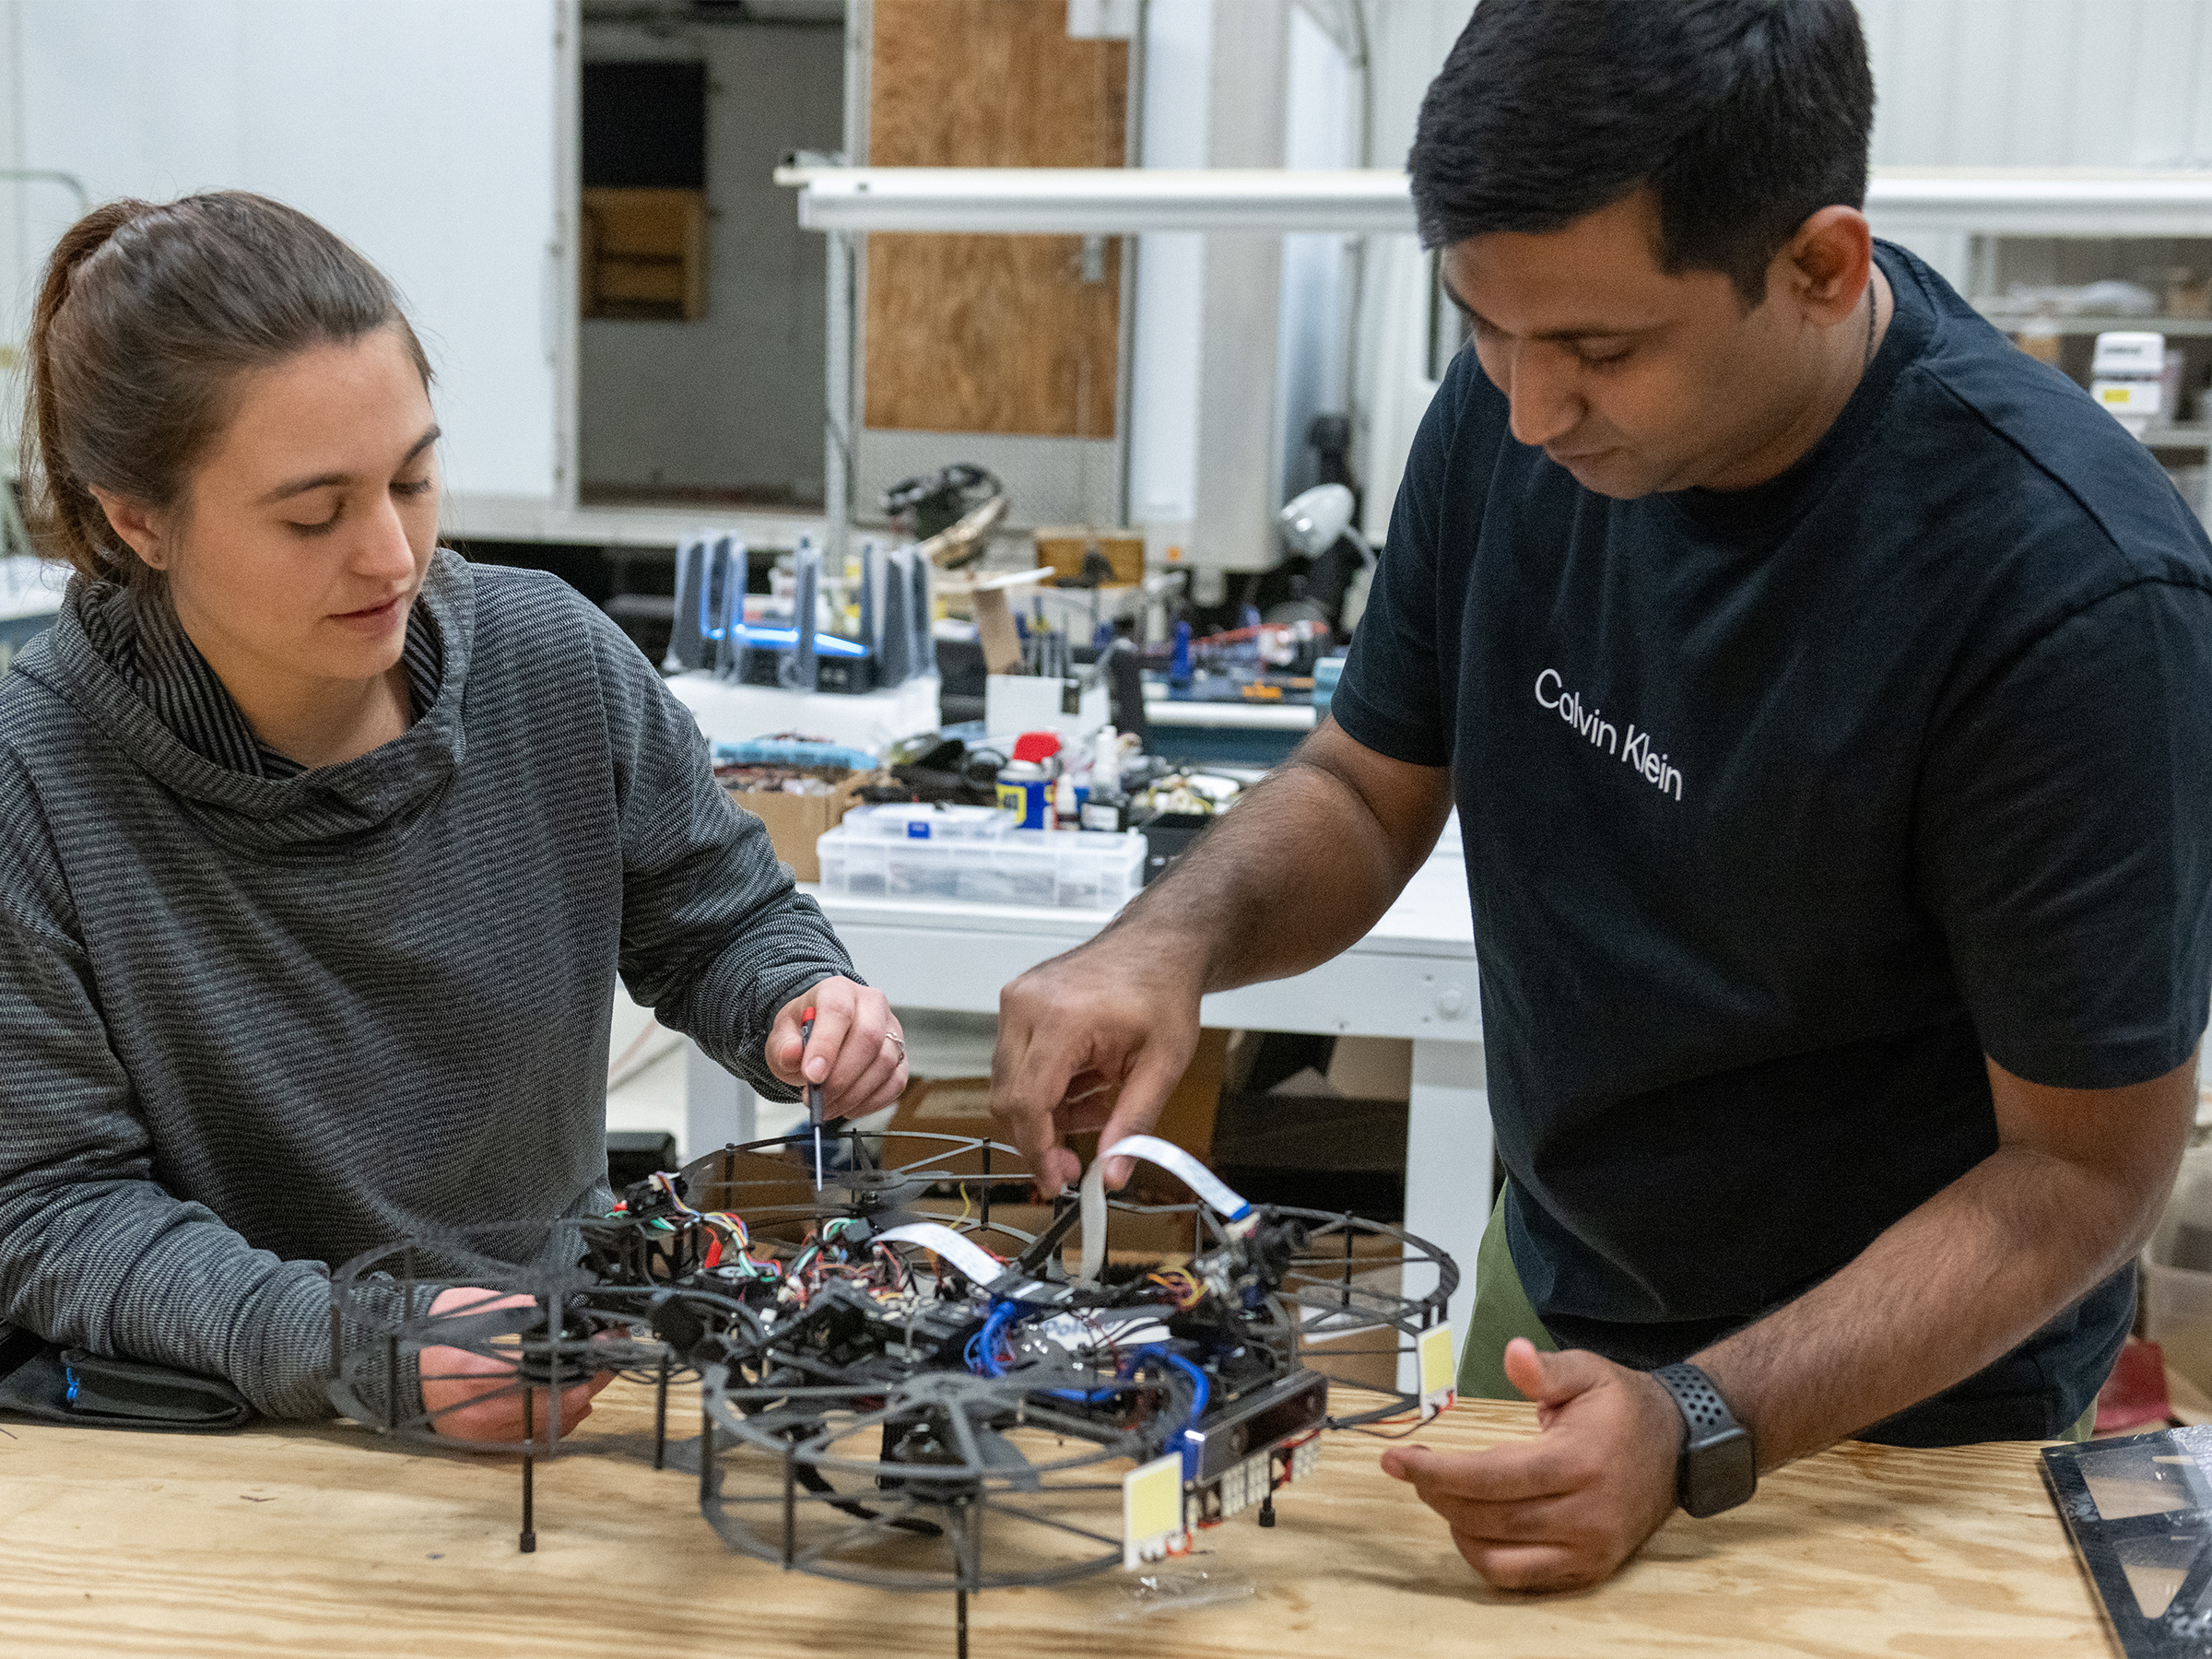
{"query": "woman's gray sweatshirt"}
(251, 1027)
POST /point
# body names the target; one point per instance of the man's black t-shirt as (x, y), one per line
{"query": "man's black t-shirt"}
(1783, 807)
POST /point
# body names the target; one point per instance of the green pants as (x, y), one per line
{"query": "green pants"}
(1501, 1312)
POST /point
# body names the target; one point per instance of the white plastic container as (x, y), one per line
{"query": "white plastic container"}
(2128, 377)
(1067, 869)
(921, 820)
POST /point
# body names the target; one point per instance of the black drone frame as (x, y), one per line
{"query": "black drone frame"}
(811, 1464)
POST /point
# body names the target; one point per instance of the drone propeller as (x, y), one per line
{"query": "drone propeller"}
(475, 1326)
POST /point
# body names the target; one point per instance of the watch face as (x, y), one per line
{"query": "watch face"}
(1719, 1473)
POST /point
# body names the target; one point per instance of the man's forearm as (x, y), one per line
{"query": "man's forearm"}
(1946, 1290)
(1299, 870)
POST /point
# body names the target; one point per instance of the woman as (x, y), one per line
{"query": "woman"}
(320, 848)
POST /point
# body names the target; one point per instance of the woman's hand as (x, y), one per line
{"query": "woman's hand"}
(472, 1397)
(856, 1053)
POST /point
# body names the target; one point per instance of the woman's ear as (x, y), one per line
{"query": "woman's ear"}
(136, 525)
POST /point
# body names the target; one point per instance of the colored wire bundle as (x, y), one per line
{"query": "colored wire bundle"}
(726, 1234)
(875, 1269)
(1180, 1284)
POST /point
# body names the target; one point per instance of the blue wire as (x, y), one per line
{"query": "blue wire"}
(981, 1355)
(981, 1352)
(1190, 1450)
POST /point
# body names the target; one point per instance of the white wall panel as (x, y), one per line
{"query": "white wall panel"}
(420, 130)
(2041, 82)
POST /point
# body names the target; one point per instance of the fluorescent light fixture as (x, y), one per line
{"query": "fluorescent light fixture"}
(1115, 201)
(1100, 201)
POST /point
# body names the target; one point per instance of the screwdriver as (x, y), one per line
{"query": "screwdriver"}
(814, 1096)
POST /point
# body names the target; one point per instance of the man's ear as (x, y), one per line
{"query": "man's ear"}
(1826, 266)
(135, 523)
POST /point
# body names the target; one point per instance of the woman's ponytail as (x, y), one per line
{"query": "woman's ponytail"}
(63, 519)
(146, 315)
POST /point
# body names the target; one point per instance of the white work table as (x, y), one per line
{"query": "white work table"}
(1412, 976)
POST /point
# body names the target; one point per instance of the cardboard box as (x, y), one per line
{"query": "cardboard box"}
(644, 253)
(946, 1106)
(1062, 546)
(797, 822)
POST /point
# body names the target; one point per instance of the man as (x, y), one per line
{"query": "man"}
(1826, 691)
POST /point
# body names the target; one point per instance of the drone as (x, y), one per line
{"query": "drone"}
(898, 1391)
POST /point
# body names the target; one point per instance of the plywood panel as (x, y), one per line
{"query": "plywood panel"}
(992, 83)
(991, 333)
(311, 1537)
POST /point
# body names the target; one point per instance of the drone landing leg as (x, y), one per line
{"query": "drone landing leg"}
(791, 1505)
(1268, 1510)
(964, 1566)
(659, 1417)
(529, 1539)
(706, 1450)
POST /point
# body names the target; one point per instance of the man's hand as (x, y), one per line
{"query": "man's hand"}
(1097, 1039)
(1299, 870)
(472, 1397)
(857, 1052)
(1566, 1509)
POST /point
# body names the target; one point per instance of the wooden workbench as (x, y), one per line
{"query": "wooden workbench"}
(280, 1541)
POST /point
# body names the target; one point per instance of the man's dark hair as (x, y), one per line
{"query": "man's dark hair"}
(1744, 116)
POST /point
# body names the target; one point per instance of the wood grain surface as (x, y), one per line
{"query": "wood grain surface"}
(991, 333)
(321, 1539)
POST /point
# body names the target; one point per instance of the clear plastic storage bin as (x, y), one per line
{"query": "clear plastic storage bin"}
(921, 820)
(1079, 869)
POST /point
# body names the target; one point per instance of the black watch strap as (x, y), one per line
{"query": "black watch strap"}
(1719, 1467)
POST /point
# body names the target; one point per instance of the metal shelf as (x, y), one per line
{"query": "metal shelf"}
(2013, 320)
(2193, 435)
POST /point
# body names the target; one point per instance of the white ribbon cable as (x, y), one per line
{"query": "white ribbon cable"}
(971, 1258)
(1202, 1181)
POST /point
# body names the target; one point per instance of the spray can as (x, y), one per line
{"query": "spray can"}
(1025, 784)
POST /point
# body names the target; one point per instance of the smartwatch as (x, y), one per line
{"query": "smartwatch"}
(1719, 1467)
